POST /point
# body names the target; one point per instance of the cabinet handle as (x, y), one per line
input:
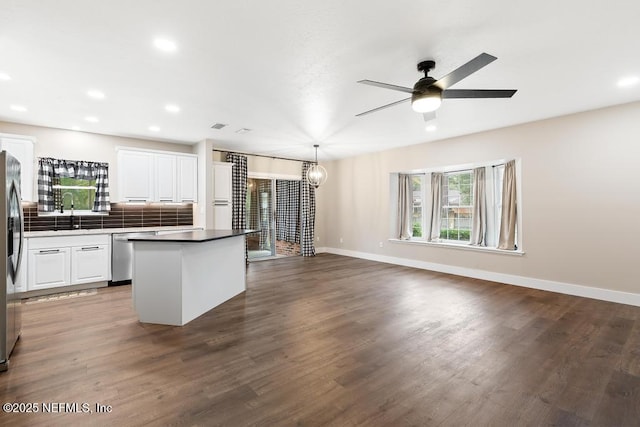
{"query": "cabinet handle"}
(187, 200)
(166, 200)
(49, 251)
(91, 248)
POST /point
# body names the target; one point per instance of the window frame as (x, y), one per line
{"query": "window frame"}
(493, 200)
(446, 176)
(74, 211)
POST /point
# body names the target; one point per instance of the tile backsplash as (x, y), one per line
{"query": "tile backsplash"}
(120, 216)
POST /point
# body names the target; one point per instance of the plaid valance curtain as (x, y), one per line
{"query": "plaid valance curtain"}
(307, 213)
(288, 210)
(50, 170)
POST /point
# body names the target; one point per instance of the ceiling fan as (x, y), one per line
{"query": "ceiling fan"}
(427, 93)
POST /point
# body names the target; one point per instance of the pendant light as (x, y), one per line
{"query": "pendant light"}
(316, 174)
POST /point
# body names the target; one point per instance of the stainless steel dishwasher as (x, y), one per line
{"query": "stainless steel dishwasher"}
(122, 256)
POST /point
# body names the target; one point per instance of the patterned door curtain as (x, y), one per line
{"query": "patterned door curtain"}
(307, 213)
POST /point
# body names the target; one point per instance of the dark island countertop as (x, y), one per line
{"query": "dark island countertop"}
(195, 236)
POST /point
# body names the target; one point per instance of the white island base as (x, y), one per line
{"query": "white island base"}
(176, 281)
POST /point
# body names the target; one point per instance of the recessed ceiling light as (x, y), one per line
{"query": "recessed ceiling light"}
(96, 94)
(431, 128)
(172, 108)
(154, 128)
(628, 81)
(20, 108)
(4, 76)
(243, 130)
(165, 45)
(92, 119)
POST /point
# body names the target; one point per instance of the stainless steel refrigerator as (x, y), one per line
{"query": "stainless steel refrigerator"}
(11, 242)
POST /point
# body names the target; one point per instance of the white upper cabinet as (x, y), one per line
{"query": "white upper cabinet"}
(135, 176)
(157, 176)
(187, 178)
(165, 173)
(222, 182)
(21, 147)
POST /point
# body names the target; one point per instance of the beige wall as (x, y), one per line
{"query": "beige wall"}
(72, 145)
(580, 198)
(267, 165)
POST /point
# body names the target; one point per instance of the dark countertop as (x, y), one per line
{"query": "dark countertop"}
(196, 236)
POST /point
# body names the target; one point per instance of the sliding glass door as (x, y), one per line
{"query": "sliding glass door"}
(260, 216)
(273, 207)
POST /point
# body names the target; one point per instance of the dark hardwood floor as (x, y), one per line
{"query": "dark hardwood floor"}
(335, 341)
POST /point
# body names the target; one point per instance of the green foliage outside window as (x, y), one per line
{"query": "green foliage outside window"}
(417, 229)
(453, 234)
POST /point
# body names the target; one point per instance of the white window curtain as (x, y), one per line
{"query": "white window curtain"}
(507, 239)
(479, 216)
(436, 206)
(405, 207)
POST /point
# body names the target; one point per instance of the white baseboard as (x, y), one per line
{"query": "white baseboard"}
(510, 279)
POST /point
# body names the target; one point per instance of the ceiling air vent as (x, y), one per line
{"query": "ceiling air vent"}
(218, 126)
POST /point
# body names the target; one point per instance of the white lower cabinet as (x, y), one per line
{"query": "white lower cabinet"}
(88, 264)
(222, 195)
(68, 260)
(222, 217)
(49, 268)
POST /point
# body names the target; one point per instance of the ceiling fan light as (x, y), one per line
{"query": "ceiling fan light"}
(426, 104)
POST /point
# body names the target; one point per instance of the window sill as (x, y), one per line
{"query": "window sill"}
(75, 213)
(459, 246)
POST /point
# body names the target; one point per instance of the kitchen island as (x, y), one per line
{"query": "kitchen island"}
(180, 276)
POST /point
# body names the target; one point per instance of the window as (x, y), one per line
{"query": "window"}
(457, 206)
(62, 183)
(76, 194)
(417, 217)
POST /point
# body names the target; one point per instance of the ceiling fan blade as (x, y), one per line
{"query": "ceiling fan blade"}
(386, 86)
(465, 70)
(429, 116)
(478, 93)
(383, 107)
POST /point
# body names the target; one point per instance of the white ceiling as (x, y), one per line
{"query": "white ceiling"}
(287, 69)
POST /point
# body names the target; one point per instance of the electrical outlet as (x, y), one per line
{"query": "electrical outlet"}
(341, 240)
(381, 245)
